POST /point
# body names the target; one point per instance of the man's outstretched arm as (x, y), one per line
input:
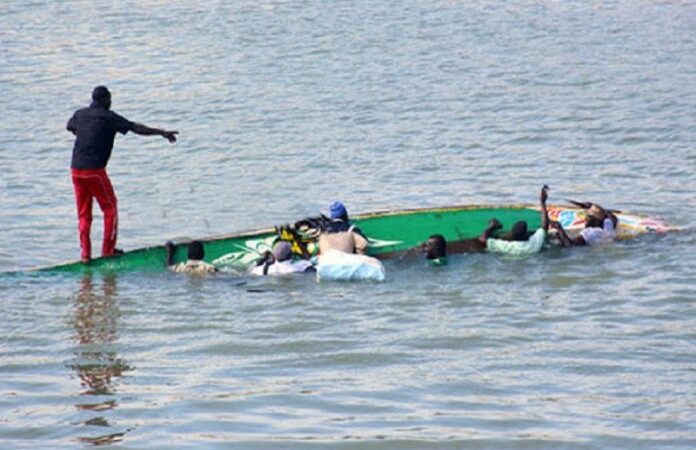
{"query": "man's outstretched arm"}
(144, 130)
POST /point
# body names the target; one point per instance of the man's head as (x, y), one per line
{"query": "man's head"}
(436, 247)
(195, 250)
(338, 211)
(519, 231)
(101, 96)
(595, 217)
(282, 251)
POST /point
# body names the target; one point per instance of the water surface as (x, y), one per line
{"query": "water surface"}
(286, 106)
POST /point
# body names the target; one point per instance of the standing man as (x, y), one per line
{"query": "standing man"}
(95, 128)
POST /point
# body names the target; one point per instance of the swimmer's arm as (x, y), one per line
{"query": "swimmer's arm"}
(493, 225)
(566, 241)
(169, 245)
(544, 212)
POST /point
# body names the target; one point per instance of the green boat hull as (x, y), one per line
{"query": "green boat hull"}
(390, 233)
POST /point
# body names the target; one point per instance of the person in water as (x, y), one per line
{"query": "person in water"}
(342, 249)
(280, 262)
(194, 263)
(340, 234)
(519, 241)
(95, 128)
(600, 227)
(436, 250)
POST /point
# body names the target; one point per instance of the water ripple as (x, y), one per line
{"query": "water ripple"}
(284, 107)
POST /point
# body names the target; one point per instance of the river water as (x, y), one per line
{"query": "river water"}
(285, 106)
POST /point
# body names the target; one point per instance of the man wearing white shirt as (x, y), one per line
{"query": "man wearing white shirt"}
(600, 228)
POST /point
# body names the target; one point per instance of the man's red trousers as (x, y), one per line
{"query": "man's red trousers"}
(90, 184)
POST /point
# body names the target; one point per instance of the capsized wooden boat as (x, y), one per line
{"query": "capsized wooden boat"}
(389, 232)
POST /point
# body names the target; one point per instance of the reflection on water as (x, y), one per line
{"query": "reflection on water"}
(95, 321)
(103, 440)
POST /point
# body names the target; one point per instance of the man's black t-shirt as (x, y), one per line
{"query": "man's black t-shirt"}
(95, 128)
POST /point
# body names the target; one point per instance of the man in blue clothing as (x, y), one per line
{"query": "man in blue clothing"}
(95, 128)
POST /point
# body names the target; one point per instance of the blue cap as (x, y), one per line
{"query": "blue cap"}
(337, 210)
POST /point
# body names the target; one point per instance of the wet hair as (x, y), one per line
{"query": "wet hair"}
(195, 250)
(102, 96)
(437, 247)
(519, 231)
(593, 221)
(282, 251)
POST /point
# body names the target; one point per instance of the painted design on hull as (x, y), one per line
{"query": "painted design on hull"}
(248, 254)
(637, 225)
(379, 243)
(629, 225)
(569, 218)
